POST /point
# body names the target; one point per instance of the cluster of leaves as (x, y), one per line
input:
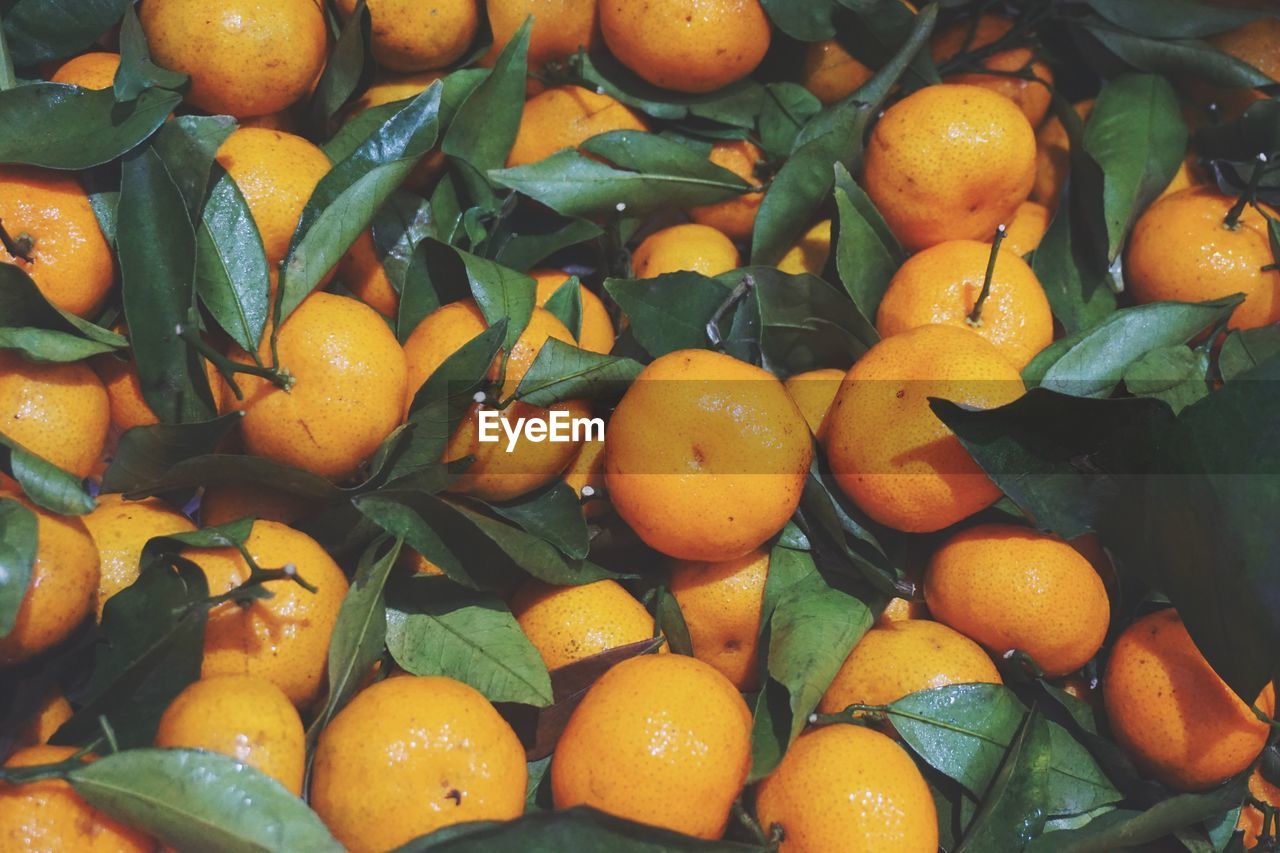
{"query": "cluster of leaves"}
(1136, 427)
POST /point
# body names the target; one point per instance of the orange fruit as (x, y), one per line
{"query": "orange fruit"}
(942, 283)
(1053, 157)
(69, 259)
(847, 788)
(1254, 43)
(706, 456)
(830, 73)
(1031, 96)
(687, 45)
(120, 528)
(1030, 224)
(410, 35)
(569, 623)
(597, 333)
(560, 28)
(361, 270)
(1182, 250)
(1172, 713)
(901, 658)
(59, 412)
(245, 58)
(410, 755)
(54, 710)
(735, 217)
(284, 638)
(1251, 820)
(227, 502)
(244, 717)
(49, 815)
(565, 117)
(721, 602)
(1011, 588)
(813, 392)
(119, 376)
(810, 252)
(586, 471)
(349, 376)
(692, 247)
(94, 70)
(949, 162)
(659, 739)
(901, 610)
(887, 449)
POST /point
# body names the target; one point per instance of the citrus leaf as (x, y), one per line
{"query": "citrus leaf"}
(1177, 57)
(23, 305)
(8, 79)
(867, 254)
(226, 468)
(17, 556)
(1172, 18)
(875, 31)
(501, 292)
(1245, 349)
(524, 249)
(1175, 375)
(146, 453)
(484, 128)
(350, 68)
(670, 312)
(736, 105)
(669, 620)
(232, 276)
(41, 30)
(787, 107)
(1012, 811)
(648, 153)
(566, 305)
(47, 485)
(1079, 286)
(45, 346)
(137, 73)
(562, 372)
(554, 515)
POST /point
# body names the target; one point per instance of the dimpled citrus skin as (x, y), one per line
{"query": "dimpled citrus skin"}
(227, 502)
(814, 391)
(419, 35)
(687, 45)
(830, 73)
(94, 70)
(410, 755)
(560, 28)
(900, 658)
(1172, 713)
(1031, 96)
(901, 610)
(1053, 157)
(1011, 588)
(597, 333)
(569, 623)
(63, 578)
(59, 412)
(246, 718)
(50, 816)
(942, 283)
(1251, 819)
(721, 604)
(245, 57)
(1181, 250)
(566, 117)
(659, 739)
(285, 638)
(692, 247)
(1027, 228)
(706, 456)
(735, 217)
(890, 453)
(348, 394)
(949, 162)
(848, 789)
(69, 259)
(277, 173)
(810, 252)
(120, 529)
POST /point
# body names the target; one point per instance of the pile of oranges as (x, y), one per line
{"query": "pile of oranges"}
(368, 573)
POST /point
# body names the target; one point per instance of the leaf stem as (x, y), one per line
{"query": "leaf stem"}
(744, 818)
(1232, 220)
(228, 368)
(19, 247)
(975, 316)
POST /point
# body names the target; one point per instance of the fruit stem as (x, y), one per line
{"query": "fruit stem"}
(749, 823)
(229, 368)
(19, 248)
(1232, 219)
(108, 733)
(975, 316)
(744, 287)
(41, 772)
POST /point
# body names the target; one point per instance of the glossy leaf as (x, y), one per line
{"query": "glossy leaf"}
(805, 21)
(226, 468)
(554, 515)
(669, 312)
(41, 331)
(147, 453)
(1176, 57)
(40, 30)
(484, 128)
(501, 292)
(787, 107)
(137, 73)
(47, 485)
(232, 275)
(563, 372)
(867, 254)
(1172, 18)
(566, 305)
(1079, 286)
(350, 67)
(1175, 375)
(17, 557)
(1013, 810)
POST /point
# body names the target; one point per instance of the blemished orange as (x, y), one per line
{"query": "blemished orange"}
(942, 283)
(49, 815)
(687, 45)
(676, 736)
(691, 247)
(277, 173)
(60, 412)
(586, 471)
(1251, 820)
(59, 594)
(120, 529)
(1010, 587)
(246, 718)
(94, 70)
(706, 456)
(721, 603)
(245, 57)
(888, 450)
(901, 658)
(226, 502)
(1031, 96)
(830, 73)
(68, 259)
(284, 638)
(597, 333)
(848, 789)
(1172, 713)
(413, 35)
(410, 755)
(811, 251)
(560, 28)
(1182, 250)
(565, 117)
(1053, 157)
(1028, 227)
(569, 623)
(735, 217)
(349, 377)
(285, 121)
(813, 392)
(949, 162)
(54, 710)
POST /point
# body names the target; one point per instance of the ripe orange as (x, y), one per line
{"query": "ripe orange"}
(597, 333)
(93, 70)
(59, 412)
(566, 117)
(69, 259)
(706, 456)
(410, 755)
(659, 739)
(410, 35)
(587, 471)
(830, 73)
(54, 710)
(560, 28)
(847, 788)
(569, 623)
(890, 453)
(1251, 819)
(227, 502)
(1053, 157)
(735, 217)
(810, 252)
(1254, 43)
(1172, 713)
(942, 284)
(1031, 96)
(120, 529)
(721, 603)
(693, 247)
(246, 58)
(814, 392)
(1029, 225)
(901, 610)
(949, 162)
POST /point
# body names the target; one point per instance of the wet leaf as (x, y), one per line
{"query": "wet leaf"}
(232, 276)
(47, 485)
(554, 515)
(670, 312)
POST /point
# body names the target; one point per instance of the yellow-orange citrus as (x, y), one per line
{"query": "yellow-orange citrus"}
(721, 603)
(411, 35)
(560, 28)
(830, 73)
(597, 333)
(811, 251)
(565, 117)
(1251, 820)
(226, 502)
(1030, 222)
(692, 247)
(813, 392)
(735, 217)
(93, 70)
(120, 528)
(569, 623)
(1032, 96)
(60, 412)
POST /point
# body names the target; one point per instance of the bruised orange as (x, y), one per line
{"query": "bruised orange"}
(569, 623)
(721, 602)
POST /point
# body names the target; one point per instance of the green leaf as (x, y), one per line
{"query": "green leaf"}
(226, 468)
(651, 154)
(554, 515)
(804, 20)
(669, 621)
(1245, 349)
(350, 67)
(566, 305)
(188, 146)
(191, 799)
(1013, 809)
(875, 31)
(670, 312)
(525, 249)
(8, 79)
(867, 254)
(1171, 19)
(18, 544)
(46, 346)
(47, 485)
(735, 105)
(1176, 375)
(501, 292)
(137, 73)
(1077, 282)
(146, 453)
(41, 331)
(787, 107)
(41, 30)
(563, 372)
(484, 129)
(232, 276)
(1177, 57)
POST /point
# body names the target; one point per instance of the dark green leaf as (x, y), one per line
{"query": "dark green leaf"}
(805, 20)
(670, 312)
(41, 30)
(1013, 809)
(867, 254)
(8, 79)
(1176, 375)
(1172, 19)
(787, 107)
(1177, 57)
(232, 276)
(1245, 349)
(137, 73)
(563, 372)
(42, 332)
(188, 145)
(147, 453)
(669, 620)
(47, 485)
(225, 468)
(650, 154)
(484, 128)
(350, 67)
(554, 515)
(736, 105)
(566, 305)
(501, 292)
(17, 555)
(1076, 281)
(526, 249)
